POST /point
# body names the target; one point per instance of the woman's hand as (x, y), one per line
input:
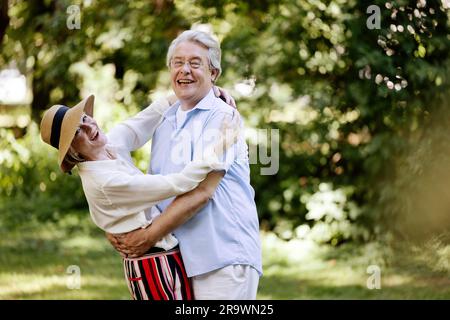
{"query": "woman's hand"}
(224, 95)
(229, 134)
(132, 244)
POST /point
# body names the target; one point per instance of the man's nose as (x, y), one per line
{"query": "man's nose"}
(186, 68)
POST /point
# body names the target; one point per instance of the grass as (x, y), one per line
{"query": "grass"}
(407, 271)
(39, 267)
(34, 265)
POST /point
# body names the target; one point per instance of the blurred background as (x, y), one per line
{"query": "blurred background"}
(359, 206)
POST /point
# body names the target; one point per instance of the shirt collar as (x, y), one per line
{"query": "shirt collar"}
(98, 165)
(102, 164)
(207, 103)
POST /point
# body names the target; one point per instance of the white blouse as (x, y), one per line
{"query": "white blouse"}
(118, 193)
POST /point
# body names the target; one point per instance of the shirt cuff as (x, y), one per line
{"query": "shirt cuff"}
(210, 159)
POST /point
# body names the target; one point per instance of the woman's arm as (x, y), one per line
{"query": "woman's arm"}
(136, 131)
(137, 242)
(134, 193)
(139, 129)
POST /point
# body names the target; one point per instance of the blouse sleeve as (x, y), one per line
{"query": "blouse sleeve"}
(139, 192)
(134, 132)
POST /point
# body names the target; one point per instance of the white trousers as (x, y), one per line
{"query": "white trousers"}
(234, 282)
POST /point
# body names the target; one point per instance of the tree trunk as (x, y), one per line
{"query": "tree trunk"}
(4, 19)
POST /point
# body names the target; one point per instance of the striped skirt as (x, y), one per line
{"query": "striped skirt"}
(158, 276)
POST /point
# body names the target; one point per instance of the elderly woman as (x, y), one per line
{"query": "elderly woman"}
(118, 193)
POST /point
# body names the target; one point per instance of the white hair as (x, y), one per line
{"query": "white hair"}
(204, 39)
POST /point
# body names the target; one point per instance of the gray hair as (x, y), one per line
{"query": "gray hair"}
(204, 39)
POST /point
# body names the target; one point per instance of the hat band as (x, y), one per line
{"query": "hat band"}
(56, 126)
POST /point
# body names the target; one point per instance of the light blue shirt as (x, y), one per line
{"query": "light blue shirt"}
(226, 231)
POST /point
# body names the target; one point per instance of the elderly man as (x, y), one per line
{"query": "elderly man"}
(220, 244)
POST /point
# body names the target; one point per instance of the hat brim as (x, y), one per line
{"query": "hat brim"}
(69, 126)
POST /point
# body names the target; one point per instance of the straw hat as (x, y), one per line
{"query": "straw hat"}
(59, 124)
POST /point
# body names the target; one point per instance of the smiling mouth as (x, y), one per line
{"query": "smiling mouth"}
(93, 138)
(185, 81)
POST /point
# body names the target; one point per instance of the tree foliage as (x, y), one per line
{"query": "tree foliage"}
(361, 112)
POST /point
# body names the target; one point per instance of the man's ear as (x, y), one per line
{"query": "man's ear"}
(214, 74)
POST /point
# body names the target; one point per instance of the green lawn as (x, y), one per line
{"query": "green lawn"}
(33, 265)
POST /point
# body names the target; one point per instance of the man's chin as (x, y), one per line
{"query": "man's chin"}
(185, 93)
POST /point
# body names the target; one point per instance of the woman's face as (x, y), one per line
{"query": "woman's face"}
(89, 139)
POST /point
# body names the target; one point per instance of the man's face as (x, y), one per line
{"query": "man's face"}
(191, 75)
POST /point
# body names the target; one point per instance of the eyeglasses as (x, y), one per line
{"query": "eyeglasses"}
(178, 63)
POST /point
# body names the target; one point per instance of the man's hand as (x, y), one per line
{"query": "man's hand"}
(132, 244)
(224, 95)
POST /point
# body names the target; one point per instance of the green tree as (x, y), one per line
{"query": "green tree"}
(361, 112)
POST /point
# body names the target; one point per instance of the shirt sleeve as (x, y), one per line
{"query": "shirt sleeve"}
(138, 130)
(135, 193)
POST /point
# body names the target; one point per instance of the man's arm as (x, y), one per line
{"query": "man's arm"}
(138, 242)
